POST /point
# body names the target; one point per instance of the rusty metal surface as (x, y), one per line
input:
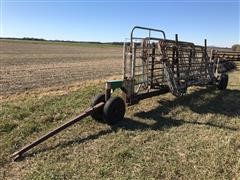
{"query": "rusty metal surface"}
(225, 61)
(152, 63)
(228, 55)
(87, 112)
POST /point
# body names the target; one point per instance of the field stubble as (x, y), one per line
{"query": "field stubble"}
(26, 65)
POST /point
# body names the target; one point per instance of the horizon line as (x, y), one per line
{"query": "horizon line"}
(84, 41)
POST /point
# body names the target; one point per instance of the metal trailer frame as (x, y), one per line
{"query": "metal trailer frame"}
(151, 67)
(218, 56)
(157, 65)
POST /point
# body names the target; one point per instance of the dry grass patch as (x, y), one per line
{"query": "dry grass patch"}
(195, 136)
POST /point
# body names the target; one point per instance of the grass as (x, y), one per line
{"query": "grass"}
(192, 137)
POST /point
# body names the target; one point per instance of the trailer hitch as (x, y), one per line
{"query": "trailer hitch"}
(87, 112)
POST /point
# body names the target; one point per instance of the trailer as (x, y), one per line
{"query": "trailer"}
(154, 65)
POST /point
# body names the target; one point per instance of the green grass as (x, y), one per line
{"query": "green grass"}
(192, 137)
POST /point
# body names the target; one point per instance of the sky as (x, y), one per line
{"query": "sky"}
(109, 20)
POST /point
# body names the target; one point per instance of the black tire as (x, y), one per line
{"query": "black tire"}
(114, 110)
(98, 114)
(223, 82)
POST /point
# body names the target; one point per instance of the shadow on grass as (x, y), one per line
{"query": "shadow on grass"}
(203, 101)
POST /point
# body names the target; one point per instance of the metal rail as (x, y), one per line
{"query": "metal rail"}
(87, 112)
(148, 29)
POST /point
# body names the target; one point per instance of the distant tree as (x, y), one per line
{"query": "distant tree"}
(33, 39)
(236, 47)
(117, 43)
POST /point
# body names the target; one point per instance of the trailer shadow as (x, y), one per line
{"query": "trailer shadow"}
(203, 101)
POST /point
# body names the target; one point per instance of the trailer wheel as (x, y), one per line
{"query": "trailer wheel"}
(223, 82)
(98, 114)
(114, 110)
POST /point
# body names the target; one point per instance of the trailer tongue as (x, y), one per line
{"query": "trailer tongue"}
(86, 113)
(152, 66)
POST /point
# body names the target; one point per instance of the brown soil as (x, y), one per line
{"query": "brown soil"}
(31, 65)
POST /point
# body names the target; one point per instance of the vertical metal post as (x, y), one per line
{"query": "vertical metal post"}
(205, 50)
(207, 67)
(144, 45)
(133, 71)
(133, 61)
(147, 61)
(124, 60)
(152, 64)
(211, 56)
(130, 59)
(177, 55)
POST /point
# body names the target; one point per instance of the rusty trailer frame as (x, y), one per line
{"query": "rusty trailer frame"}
(153, 65)
(156, 64)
